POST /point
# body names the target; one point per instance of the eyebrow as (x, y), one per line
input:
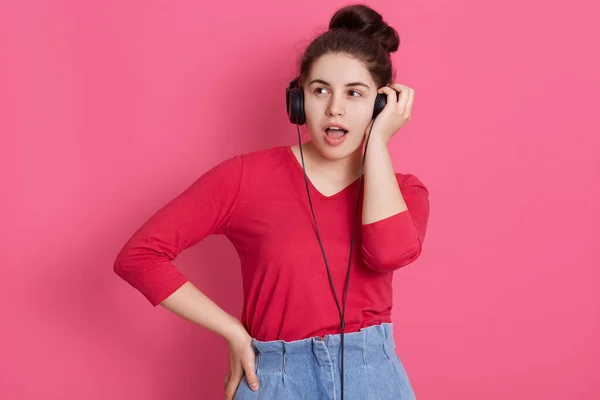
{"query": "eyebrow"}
(322, 82)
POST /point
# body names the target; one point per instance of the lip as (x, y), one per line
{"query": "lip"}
(330, 125)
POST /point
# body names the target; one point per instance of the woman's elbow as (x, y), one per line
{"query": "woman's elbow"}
(391, 261)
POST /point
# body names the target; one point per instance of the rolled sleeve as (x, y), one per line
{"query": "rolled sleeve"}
(396, 241)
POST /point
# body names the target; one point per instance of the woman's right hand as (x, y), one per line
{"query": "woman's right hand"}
(241, 361)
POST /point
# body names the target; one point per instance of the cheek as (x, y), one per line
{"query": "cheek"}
(361, 117)
(313, 113)
(361, 109)
(312, 108)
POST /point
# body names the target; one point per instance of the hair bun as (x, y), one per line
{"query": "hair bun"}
(366, 21)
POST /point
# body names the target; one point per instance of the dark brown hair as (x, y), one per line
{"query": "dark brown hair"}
(360, 32)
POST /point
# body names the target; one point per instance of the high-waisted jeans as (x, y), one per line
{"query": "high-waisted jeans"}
(310, 369)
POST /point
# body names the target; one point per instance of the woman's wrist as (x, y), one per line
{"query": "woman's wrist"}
(235, 331)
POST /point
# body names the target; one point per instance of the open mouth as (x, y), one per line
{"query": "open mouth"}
(335, 132)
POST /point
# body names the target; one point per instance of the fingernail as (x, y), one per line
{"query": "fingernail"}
(254, 386)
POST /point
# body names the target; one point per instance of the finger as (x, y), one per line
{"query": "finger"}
(403, 99)
(233, 381)
(401, 89)
(409, 105)
(398, 87)
(231, 388)
(249, 368)
(226, 381)
(391, 96)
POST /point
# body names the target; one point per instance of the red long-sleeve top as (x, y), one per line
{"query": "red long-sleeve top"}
(258, 200)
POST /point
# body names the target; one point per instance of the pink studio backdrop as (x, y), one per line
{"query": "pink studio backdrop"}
(110, 109)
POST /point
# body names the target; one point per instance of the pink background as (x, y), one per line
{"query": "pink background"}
(109, 109)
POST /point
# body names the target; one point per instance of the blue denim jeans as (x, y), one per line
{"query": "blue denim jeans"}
(309, 369)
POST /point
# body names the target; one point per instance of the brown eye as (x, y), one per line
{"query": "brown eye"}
(354, 95)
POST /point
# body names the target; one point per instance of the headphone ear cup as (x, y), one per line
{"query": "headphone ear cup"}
(295, 105)
(380, 102)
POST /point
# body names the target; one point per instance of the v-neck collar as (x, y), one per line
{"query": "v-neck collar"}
(298, 164)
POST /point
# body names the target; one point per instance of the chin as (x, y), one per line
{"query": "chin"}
(334, 153)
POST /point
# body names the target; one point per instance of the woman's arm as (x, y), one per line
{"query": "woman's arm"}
(146, 261)
(202, 209)
(395, 213)
(191, 304)
(395, 206)
(382, 196)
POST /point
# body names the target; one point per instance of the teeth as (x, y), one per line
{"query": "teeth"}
(335, 127)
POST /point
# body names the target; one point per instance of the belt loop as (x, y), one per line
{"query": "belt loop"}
(284, 359)
(364, 349)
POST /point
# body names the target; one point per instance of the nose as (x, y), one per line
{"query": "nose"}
(335, 106)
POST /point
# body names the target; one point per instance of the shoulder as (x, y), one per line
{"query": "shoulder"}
(249, 169)
(263, 156)
(254, 158)
(264, 161)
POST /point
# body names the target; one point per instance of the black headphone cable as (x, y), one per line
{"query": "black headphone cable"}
(341, 310)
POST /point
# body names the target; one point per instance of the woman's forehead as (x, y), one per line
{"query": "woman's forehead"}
(339, 69)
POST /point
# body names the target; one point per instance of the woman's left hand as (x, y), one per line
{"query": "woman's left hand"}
(395, 114)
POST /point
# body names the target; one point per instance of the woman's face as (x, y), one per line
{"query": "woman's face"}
(338, 92)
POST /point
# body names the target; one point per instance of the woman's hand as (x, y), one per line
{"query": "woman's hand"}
(241, 361)
(395, 114)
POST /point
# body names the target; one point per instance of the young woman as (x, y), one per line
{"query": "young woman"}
(319, 227)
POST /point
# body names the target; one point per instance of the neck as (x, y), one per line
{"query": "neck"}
(345, 169)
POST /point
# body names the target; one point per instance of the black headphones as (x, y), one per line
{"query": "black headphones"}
(294, 102)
